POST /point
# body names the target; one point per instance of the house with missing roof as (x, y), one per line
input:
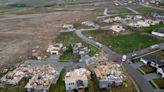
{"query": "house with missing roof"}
(155, 61)
(56, 48)
(158, 32)
(77, 79)
(117, 28)
(108, 74)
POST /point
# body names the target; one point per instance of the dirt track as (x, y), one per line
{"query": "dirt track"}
(20, 33)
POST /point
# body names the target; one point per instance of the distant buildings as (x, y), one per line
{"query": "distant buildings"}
(158, 32)
(77, 79)
(108, 74)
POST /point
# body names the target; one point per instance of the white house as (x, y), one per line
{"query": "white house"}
(155, 61)
(158, 32)
(77, 79)
(161, 71)
(143, 24)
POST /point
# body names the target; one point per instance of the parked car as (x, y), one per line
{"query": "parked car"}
(124, 58)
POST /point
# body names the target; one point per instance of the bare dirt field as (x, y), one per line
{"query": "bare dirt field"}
(19, 34)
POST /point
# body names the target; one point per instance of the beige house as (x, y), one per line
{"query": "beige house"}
(117, 28)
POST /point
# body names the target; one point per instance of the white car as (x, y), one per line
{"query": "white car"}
(124, 58)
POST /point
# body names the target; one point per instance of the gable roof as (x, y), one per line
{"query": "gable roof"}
(154, 58)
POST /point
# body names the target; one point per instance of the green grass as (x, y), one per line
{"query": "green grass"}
(151, 28)
(159, 82)
(60, 84)
(70, 38)
(143, 9)
(16, 88)
(67, 55)
(123, 43)
(147, 69)
(120, 10)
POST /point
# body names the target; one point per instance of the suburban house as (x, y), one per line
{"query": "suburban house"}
(117, 28)
(56, 49)
(117, 18)
(155, 61)
(108, 74)
(67, 28)
(76, 47)
(152, 22)
(158, 32)
(77, 79)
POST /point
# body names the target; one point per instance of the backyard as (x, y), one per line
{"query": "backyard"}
(70, 38)
(147, 69)
(122, 43)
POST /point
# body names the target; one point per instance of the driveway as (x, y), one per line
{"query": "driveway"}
(151, 76)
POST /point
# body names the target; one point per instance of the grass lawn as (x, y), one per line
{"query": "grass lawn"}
(159, 82)
(123, 43)
(120, 10)
(16, 88)
(151, 28)
(60, 84)
(70, 38)
(93, 87)
(147, 69)
(143, 9)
